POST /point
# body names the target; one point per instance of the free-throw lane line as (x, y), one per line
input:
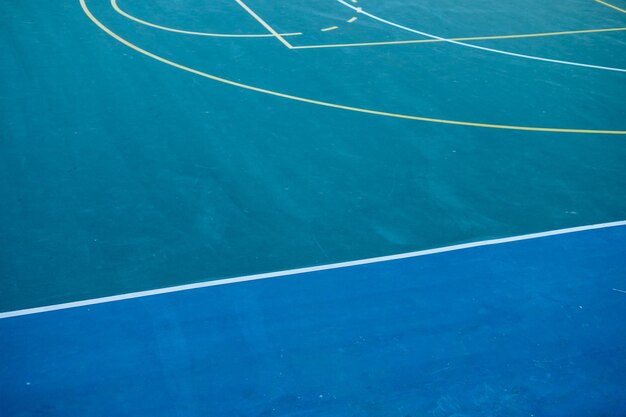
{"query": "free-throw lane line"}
(264, 24)
(166, 61)
(611, 6)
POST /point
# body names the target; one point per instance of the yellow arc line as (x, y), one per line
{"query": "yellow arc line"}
(611, 6)
(476, 38)
(264, 23)
(332, 105)
(188, 32)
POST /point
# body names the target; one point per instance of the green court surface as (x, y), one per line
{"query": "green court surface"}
(140, 151)
(297, 208)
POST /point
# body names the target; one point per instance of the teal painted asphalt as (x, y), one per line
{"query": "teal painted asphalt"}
(119, 173)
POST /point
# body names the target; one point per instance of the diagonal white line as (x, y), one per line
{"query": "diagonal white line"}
(482, 48)
(299, 271)
(264, 23)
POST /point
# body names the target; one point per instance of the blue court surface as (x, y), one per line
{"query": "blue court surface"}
(407, 208)
(524, 328)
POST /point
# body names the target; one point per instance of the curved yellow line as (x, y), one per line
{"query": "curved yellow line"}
(118, 9)
(332, 105)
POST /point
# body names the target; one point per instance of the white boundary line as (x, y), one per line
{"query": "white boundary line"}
(482, 48)
(257, 277)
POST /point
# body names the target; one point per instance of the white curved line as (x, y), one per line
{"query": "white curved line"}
(482, 48)
(156, 57)
(188, 32)
(307, 270)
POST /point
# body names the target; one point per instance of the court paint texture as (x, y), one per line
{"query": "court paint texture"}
(123, 174)
(140, 152)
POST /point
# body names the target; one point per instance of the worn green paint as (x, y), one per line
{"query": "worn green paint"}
(119, 173)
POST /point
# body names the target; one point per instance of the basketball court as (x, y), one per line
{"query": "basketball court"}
(323, 208)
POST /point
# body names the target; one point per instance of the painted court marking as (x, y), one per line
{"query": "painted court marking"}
(166, 61)
(119, 10)
(475, 38)
(299, 271)
(264, 24)
(611, 6)
(482, 48)
(124, 13)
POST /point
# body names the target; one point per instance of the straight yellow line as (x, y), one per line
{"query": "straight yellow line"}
(611, 6)
(166, 61)
(265, 24)
(478, 38)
